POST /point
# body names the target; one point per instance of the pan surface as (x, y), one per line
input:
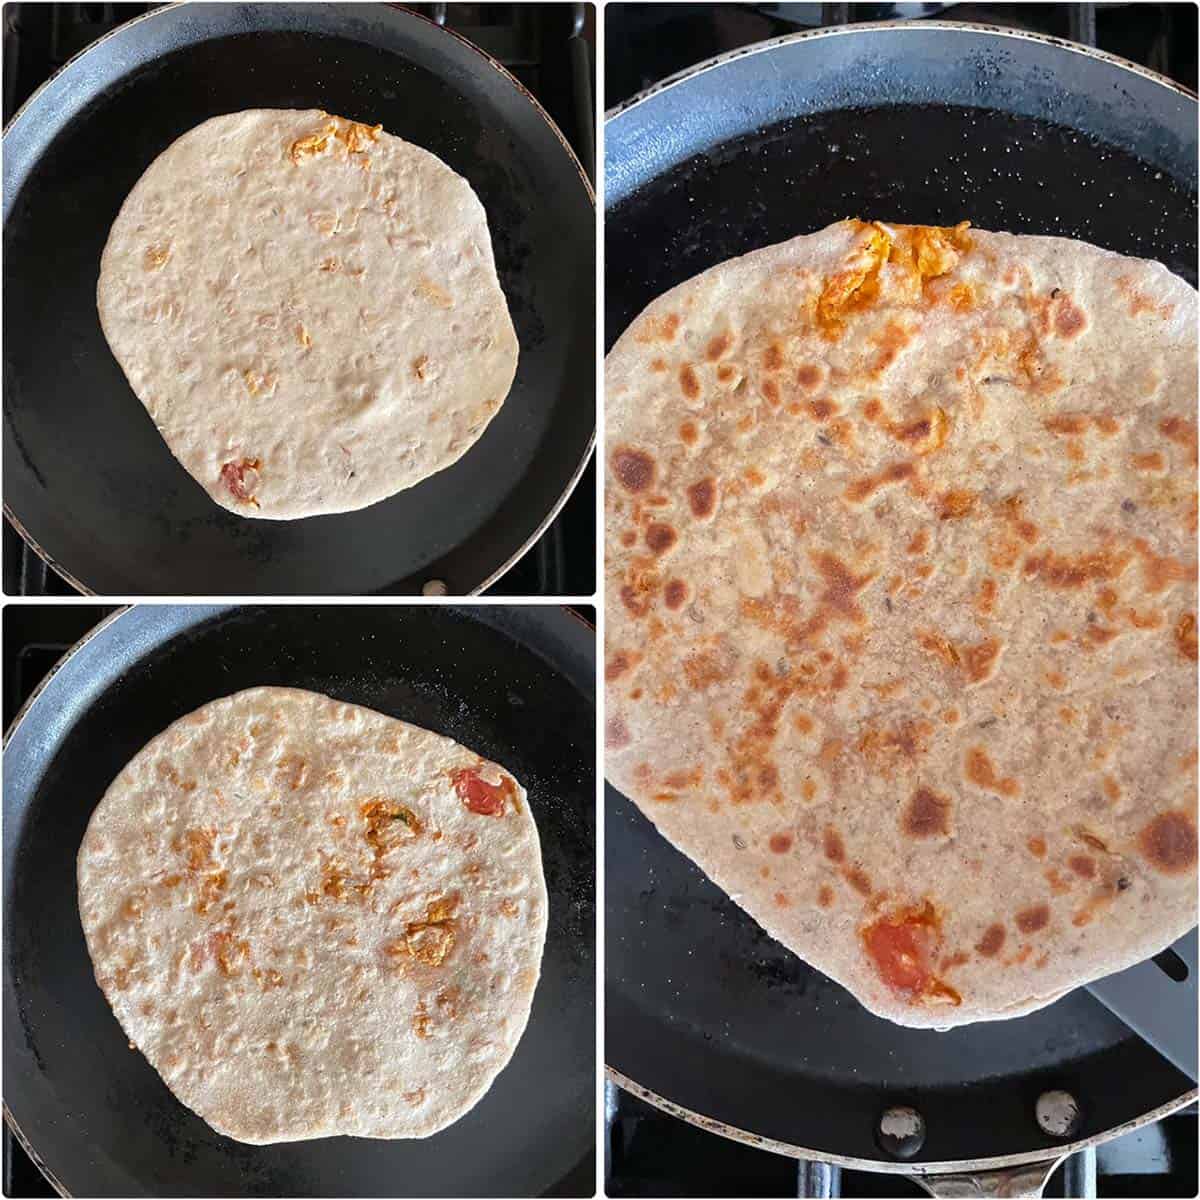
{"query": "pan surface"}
(919, 123)
(513, 684)
(88, 478)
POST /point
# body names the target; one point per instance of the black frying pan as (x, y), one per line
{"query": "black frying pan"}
(89, 480)
(514, 684)
(928, 123)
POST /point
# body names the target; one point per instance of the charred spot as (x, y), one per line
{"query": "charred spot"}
(718, 347)
(660, 537)
(634, 469)
(689, 381)
(990, 944)
(835, 848)
(1168, 843)
(1030, 920)
(780, 843)
(1083, 865)
(675, 594)
(702, 497)
(927, 814)
(616, 734)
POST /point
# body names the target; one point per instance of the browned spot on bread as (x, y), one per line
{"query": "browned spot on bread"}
(616, 734)
(618, 665)
(1083, 865)
(863, 489)
(681, 780)
(1069, 319)
(927, 814)
(634, 469)
(835, 848)
(985, 602)
(979, 661)
(992, 941)
(772, 358)
(689, 381)
(780, 843)
(629, 537)
(675, 594)
(782, 901)
(726, 372)
(1030, 920)
(825, 895)
(688, 433)
(703, 670)
(1182, 432)
(660, 537)
(658, 366)
(858, 879)
(1070, 572)
(657, 329)
(718, 347)
(982, 772)
(1159, 571)
(1185, 635)
(1067, 423)
(702, 498)
(809, 376)
(919, 542)
(636, 603)
(802, 723)
(942, 647)
(1168, 843)
(955, 504)
(821, 410)
(906, 742)
(1037, 847)
(770, 391)
(1153, 461)
(841, 586)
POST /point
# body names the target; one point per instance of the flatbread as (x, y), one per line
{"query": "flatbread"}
(901, 579)
(313, 919)
(309, 310)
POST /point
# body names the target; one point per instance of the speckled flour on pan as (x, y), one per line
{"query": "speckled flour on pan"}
(313, 919)
(901, 605)
(309, 310)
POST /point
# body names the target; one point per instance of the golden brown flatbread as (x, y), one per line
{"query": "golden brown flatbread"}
(901, 604)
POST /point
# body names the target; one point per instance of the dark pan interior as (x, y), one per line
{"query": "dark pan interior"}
(87, 474)
(915, 124)
(515, 685)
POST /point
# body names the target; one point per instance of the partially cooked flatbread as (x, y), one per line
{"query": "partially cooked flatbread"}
(901, 582)
(313, 919)
(309, 310)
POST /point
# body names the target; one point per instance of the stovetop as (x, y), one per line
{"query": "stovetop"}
(649, 1153)
(548, 47)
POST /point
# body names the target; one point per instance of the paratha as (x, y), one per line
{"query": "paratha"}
(309, 309)
(313, 919)
(901, 605)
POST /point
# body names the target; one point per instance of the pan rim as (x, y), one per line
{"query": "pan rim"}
(884, 1166)
(589, 189)
(787, 39)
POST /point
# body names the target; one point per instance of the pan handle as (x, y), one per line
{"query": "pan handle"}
(1023, 1181)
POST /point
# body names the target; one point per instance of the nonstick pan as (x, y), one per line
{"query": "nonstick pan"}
(89, 481)
(514, 684)
(927, 122)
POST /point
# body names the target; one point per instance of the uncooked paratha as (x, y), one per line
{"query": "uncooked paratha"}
(309, 310)
(901, 635)
(313, 919)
